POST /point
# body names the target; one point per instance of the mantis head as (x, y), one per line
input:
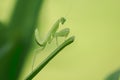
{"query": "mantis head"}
(62, 20)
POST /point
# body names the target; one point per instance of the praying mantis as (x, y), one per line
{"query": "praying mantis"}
(53, 33)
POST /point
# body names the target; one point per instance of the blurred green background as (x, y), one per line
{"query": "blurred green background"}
(96, 50)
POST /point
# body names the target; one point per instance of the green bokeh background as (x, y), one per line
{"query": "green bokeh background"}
(96, 50)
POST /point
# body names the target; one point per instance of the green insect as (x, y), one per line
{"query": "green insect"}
(53, 33)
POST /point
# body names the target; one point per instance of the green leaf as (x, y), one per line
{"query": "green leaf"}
(49, 58)
(114, 76)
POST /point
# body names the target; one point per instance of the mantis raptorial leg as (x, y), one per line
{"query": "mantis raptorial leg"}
(62, 33)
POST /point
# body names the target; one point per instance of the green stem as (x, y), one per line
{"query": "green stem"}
(51, 56)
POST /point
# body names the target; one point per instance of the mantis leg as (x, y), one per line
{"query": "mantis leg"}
(57, 41)
(34, 58)
(63, 33)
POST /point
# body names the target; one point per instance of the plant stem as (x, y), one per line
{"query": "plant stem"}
(51, 56)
